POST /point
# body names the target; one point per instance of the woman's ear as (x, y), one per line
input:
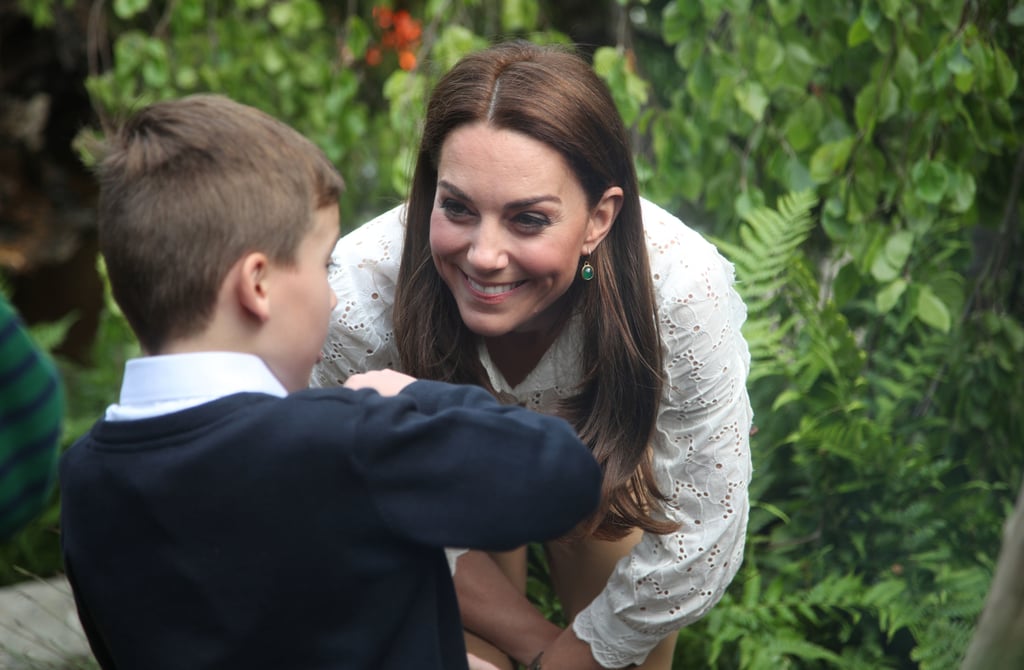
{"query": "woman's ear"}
(252, 285)
(602, 217)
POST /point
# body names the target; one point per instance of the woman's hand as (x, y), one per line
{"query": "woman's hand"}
(384, 382)
(568, 652)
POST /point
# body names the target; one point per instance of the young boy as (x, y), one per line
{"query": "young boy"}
(221, 515)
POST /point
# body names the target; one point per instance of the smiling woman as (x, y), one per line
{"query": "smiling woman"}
(509, 225)
(525, 261)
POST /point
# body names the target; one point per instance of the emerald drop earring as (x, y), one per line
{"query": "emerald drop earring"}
(587, 271)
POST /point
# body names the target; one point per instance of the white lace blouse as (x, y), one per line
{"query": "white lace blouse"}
(701, 443)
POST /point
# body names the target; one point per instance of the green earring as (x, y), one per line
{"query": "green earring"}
(587, 271)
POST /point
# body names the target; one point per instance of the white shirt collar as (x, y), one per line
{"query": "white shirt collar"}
(158, 385)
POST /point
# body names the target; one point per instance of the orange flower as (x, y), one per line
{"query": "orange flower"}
(383, 16)
(407, 29)
(406, 59)
(400, 33)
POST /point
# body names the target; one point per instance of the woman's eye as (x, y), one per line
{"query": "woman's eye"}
(454, 208)
(532, 220)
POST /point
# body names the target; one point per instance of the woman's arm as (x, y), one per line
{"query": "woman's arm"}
(701, 456)
(494, 609)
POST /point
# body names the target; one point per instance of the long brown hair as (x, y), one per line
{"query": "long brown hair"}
(552, 95)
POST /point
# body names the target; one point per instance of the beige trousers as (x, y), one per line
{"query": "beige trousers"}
(579, 570)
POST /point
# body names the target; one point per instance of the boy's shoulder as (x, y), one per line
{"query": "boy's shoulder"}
(260, 410)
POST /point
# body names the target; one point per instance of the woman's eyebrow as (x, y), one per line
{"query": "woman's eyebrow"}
(515, 204)
(455, 190)
(529, 202)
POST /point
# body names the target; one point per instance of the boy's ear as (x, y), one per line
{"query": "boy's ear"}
(252, 287)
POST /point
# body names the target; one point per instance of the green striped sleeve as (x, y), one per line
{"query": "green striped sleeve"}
(31, 410)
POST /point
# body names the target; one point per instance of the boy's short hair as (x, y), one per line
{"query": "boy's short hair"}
(189, 186)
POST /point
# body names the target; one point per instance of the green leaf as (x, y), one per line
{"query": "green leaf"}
(519, 15)
(961, 191)
(890, 295)
(800, 66)
(803, 123)
(883, 269)
(898, 247)
(691, 182)
(870, 15)
(126, 9)
(629, 90)
(357, 36)
(888, 101)
(747, 201)
(785, 11)
(1015, 17)
(890, 8)
(874, 103)
(930, 179)
(688, 51)
(795, 175)
(455, 42)
(846, 284)
(769, 54)
(830, 159)
(752, 99)
(676, 22)
(858, 33)
(1006, 74)
(834, 221)
(932, 311)
(906, 68)
(186, 77)
(282, 15)
(959, 63)
(272, 60)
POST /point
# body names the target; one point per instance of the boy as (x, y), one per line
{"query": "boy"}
(221, 515)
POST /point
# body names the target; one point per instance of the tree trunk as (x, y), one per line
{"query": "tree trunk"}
(998, 641)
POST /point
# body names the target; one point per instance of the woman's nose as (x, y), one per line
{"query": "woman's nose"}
(487, 250)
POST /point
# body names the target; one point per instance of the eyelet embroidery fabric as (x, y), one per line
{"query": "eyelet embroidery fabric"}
(701, 453)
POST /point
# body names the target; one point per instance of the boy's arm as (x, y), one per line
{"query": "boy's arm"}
(31, 415)
(92, 636)
(450, 466)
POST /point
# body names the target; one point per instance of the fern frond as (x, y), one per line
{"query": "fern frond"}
(771, 238)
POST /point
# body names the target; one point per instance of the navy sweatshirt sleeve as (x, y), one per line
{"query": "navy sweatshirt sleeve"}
(450, 466)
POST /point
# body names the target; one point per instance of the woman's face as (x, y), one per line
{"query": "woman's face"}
(509, 225)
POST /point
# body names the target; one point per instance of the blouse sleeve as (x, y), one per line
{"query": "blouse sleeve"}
(701, 455)
(363, 276)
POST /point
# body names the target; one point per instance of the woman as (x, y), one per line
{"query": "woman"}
(526, 262)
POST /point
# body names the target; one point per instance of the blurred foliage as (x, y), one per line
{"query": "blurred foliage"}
(860, 162)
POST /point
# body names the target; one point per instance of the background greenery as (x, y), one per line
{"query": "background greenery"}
(860, 162)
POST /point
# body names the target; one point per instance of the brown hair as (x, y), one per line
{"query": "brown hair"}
(189, 186)
(552, 95)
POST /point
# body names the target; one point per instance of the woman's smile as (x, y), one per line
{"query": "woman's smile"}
(492, 290)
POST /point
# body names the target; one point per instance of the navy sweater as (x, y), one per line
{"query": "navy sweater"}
(306, 532)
